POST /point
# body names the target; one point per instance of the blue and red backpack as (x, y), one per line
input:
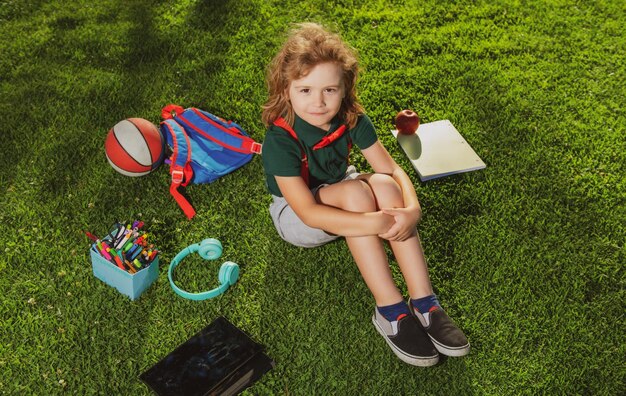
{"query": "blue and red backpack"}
(204, 148)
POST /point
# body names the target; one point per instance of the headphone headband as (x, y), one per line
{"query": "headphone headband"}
(209, 249)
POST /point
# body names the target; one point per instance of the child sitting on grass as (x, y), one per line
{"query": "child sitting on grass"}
(314, 118)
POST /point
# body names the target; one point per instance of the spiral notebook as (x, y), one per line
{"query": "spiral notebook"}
(437, 149)
(219, 360)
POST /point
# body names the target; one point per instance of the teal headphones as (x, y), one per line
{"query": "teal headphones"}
(208, 249)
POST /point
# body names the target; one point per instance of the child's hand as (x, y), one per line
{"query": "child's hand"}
(406, 220)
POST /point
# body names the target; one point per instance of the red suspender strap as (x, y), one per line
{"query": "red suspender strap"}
(328, 139)
(304, 170)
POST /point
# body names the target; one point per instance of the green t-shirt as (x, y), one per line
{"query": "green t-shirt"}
(282, 155)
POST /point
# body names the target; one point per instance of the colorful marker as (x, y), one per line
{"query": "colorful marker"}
(91, 236)
(104, 250)
(142, 239)
(128, 245)
(152, 255)
(131, 268)
(134, 253)
(117, 259)
(121, 242)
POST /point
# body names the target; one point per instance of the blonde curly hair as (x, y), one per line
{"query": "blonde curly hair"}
(308, 45)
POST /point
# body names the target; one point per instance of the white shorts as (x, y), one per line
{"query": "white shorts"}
(292, 229)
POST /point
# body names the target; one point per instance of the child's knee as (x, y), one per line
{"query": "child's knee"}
(359, 197)
(386, 190)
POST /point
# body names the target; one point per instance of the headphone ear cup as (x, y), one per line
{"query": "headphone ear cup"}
(229, 273)
(210, 249)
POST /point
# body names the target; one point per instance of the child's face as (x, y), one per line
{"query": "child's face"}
(316, 97)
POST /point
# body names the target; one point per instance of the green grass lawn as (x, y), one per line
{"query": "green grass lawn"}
(527, 255)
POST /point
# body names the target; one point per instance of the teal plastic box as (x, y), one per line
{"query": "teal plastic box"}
(126, 283)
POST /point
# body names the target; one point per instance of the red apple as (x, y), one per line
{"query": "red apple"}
(407, 122)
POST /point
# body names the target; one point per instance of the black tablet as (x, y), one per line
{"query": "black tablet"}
(219, 360)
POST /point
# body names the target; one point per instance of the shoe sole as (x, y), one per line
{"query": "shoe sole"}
(406, 358)
(450, 351)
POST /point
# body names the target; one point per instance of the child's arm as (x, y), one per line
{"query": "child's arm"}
(406, 218)
(328, 218)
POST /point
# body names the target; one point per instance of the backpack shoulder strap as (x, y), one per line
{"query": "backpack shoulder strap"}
(304, 170)
(180, 167)
(225, 133)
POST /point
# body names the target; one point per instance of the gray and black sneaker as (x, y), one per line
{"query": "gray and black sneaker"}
(407, 339)
(445, 335)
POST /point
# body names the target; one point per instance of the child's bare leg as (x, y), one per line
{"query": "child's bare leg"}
(408, 253)
(445, 335)
(368, 251)
(392, 316)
